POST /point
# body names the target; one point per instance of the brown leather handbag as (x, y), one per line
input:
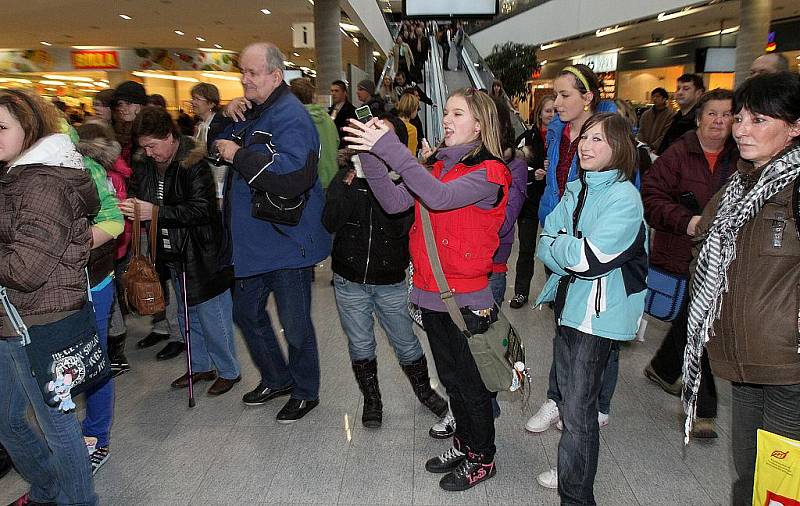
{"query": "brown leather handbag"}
(141, 283)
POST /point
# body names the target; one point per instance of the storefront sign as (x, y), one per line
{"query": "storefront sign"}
(64, 59)
(99, 60)
(605, 62)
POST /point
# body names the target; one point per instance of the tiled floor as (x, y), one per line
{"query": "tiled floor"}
(222, 452)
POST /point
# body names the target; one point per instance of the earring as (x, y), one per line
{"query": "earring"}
(586, 108)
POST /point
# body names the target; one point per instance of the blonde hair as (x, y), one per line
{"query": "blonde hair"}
(407, 106)
(482, 108)
(537, 112)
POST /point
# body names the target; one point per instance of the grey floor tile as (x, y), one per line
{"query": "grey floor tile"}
(379, 468)
(243, 468)
(654, 469)
(312, 466)
(12, 486)
(177, 467)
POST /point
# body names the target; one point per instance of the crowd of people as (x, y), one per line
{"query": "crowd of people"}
(716, 205)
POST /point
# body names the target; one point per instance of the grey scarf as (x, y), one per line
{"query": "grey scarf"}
(710, 282)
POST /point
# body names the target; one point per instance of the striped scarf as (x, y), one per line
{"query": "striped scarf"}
(710, 282)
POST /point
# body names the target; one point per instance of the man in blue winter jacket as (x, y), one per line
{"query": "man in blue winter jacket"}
(275, 149)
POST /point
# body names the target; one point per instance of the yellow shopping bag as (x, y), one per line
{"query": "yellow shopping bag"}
(777, 479)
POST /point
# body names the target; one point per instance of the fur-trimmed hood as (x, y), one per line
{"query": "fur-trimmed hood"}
(103, 151)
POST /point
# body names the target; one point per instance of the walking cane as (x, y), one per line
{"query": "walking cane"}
(187, 333)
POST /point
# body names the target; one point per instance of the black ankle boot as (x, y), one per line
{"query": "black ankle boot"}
(366, 372)
(417, 373)
(116, 352)
(5, 462)
(471, 471)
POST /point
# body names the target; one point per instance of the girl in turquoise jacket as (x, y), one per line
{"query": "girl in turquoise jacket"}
(595, 243)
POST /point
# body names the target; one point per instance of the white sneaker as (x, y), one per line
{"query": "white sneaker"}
(544, 418)
(548, 479)
(602, 421)
(445, 428)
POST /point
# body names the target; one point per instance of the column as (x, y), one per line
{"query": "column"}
(365, 57)
(328, 41)
(751, 38)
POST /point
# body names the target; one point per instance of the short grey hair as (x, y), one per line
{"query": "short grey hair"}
(273, 56)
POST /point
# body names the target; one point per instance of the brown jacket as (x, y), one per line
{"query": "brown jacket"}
(44, 240)
(756, 337)
(653, 125)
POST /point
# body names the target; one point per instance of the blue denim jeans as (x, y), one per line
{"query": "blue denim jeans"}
(497, 283)
(609, 384)
(357, 303)
(57, 467)
(211, 327)
(100, 399)
(770, 407)
(580, 360)
(292, 289)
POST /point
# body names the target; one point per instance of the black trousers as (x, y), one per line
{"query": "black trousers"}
(470, 401)
(527, 231)
(446, 55)
(668, 363)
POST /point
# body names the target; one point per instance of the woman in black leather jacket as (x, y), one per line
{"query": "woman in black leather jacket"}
(170, 172)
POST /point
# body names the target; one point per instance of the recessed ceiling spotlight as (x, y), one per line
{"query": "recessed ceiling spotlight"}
(125, 17)
(44, 43)
(178, 32)
(201, 39)
(295, 53)
(266, 12)
(217, 46)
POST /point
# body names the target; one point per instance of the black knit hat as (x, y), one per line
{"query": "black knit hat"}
(131, 92)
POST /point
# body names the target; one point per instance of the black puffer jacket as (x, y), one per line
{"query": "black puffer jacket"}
(370, 246)
(190, 215)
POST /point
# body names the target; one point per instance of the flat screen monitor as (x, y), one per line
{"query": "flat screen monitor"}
(450, 8)
(716, 59)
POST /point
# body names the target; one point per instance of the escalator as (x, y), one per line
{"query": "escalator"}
(439, 83)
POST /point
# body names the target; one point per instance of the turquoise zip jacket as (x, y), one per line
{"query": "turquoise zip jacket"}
(595, 242)
(555, 129)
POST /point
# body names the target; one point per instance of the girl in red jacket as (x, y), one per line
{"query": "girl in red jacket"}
(466, 191)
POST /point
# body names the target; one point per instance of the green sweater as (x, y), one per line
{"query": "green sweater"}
(109, 219)
(328, 140)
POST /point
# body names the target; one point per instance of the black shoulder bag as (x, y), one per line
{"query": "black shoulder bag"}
(66, 357)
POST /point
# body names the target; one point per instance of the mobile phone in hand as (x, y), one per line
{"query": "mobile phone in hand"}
(364, 114)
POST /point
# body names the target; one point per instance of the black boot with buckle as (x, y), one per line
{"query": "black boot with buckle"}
(417, 373)
(471, 471)
(366, 372)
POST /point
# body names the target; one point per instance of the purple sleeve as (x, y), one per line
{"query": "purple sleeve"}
(393, 198)
(473, 188)
(516, 194)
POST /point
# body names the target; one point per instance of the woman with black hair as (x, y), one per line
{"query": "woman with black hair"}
(745, 312)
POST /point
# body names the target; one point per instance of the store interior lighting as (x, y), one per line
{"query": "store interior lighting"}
(223, 77)
(59, 77)
(170, 77)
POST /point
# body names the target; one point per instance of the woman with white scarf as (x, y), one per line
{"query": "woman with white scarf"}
(744, 304)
